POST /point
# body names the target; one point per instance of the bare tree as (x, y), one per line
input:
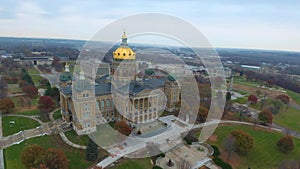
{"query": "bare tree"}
(3, 88)
(229, 146)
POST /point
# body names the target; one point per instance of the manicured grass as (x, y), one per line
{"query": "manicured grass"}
(295, 96)
(33, 71)
(288, 118)
(21, 123)
(16, 100)
(73, 137)
(36, 79)
(265, 153)
(242, 92)
(240, 100)
(243, 81)
(75, 156)
(57, 114)
(14, 88)
(128, 163)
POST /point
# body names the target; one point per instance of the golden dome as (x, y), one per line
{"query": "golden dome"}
(124, 52)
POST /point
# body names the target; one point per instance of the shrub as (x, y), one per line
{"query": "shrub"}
(286, 144)
(218, 161)
(243, 141)
(216, 151)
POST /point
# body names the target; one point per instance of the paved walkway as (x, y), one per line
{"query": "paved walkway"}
(49, 128)
(67, 141)
(171, 134)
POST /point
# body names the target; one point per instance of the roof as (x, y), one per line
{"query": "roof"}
(103, 87)
(82, 84)
(66, 90)
(65, 76)
(154, 83)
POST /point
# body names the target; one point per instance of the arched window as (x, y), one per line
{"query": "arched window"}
(107, 103)
(102, 104)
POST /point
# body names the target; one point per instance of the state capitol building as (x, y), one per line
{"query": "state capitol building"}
(116, 94)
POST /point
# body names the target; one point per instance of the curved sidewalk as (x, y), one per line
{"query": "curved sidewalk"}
(67, 141)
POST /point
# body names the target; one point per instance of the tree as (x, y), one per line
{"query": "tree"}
(228, 96)
(30, 91)
(41, 166)
(243, 141)
(3, 88)
(29, 155)
(91, 152)
(34, 156)
(44, 83)
(202, 114)
(46, 103)
(6, 106)
(55, 159)
(277, 105)
(258, 92)
(123, 127)
(52, 92)
(252, 99)
(289, 164)
(229, 146)
(266, 117)
(284, 98)
(286, 144)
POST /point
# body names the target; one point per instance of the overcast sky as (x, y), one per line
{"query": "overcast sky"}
(226, 23)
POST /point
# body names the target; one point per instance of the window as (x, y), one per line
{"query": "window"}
(86, 107)
(107, 103)
(102, 104)
(86, 115)
(98, 104)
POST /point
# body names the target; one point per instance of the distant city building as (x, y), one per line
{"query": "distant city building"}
(248, 67)
(42, 60)
(5, 54)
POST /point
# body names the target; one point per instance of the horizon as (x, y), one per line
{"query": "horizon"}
(267, 25)
(168, 45)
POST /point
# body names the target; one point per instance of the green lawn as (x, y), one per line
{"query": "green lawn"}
(140, 163)
(75, 156)
(16, 100)
(73, 137)
(14, 88)
(295, 96)
(57, 114)
(36, 79)
(243, 81)
(242, 92)
(265, 153)
(21, 123)
(33, 70)
(240, 100)
(288, 118)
